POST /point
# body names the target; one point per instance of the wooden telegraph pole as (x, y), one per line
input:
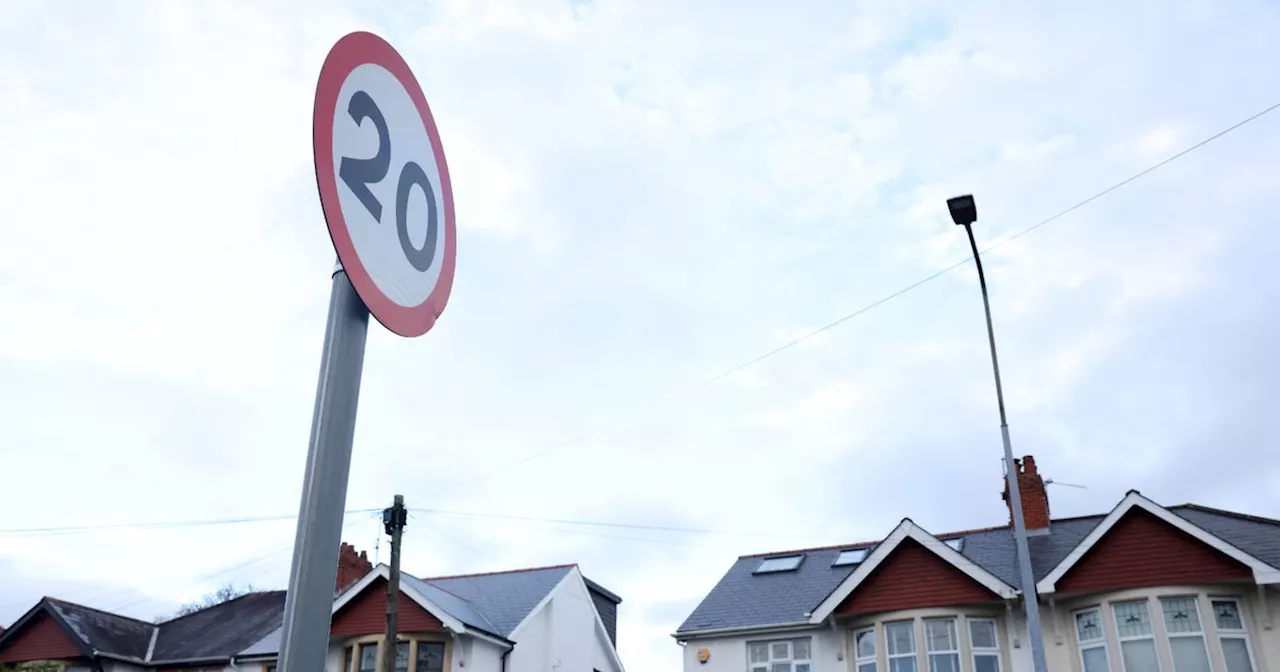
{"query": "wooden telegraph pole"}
(393, 521)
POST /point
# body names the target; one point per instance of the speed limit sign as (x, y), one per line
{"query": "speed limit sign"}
(384, 185)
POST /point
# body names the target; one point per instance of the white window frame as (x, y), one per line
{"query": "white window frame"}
(889, 657)
(1100, 643)
(1232, 633)
(1155, 643)
(975, 650)
(952, 621)
(1170, 636)
(790, 659)
(873, 659)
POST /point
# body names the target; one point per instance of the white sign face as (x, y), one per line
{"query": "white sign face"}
(384, 184)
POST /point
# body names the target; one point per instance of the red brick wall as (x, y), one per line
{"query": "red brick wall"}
(1034, 496)
(912, 577)
(351, 567)
(1142, 551)
(41, 639)
(367, 614)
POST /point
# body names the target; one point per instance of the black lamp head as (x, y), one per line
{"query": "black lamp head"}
(963, 210)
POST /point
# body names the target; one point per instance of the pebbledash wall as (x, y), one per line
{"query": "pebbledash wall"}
(832, 649)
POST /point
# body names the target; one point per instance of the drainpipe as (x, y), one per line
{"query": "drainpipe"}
(504, 657)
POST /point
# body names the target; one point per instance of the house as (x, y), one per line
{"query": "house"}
(1142, 588)
(524, 620)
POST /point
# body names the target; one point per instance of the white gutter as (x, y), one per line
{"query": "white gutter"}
(716, 632)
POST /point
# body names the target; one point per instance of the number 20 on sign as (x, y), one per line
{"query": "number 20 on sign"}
(384, 185)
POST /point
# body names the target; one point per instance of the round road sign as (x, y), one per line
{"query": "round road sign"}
(384, 185)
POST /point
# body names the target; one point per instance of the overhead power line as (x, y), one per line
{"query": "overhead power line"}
(845, 318)
(155, 525)
(596, 523)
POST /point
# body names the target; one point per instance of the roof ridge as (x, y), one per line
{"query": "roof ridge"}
(505, 571)
(215, 606)
(1224, 512)
(866, 544)
(53, 600)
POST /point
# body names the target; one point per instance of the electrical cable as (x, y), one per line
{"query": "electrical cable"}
(797, 341)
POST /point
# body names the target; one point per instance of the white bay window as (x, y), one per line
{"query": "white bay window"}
(1232, 635)
(900, 645)
(1186, 637)
(787, 655)
(864, 649)
(1137, 638)
(1092, 640)
(942, 644)
(984, 645)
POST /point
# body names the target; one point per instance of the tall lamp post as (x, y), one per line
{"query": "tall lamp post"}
(964, 212)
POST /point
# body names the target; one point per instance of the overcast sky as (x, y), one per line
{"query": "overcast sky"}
(649, 193)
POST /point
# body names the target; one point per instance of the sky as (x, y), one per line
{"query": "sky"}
(649, 194)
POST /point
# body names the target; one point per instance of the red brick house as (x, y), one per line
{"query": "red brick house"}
(1142, 588)
(515, 621)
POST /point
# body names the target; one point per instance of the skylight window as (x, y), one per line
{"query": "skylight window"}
(955, 544)
(852, 556)
(783, 564)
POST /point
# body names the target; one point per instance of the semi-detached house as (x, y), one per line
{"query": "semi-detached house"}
(1142, 588)
(526, 620)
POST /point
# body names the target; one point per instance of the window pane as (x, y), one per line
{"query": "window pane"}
(1132, 619)
(982, 634)
(368, 657)
(800, 649)
(780, 667)
(944, 662)
(871, 667)
(1089, 625)
(1180, 614)
(986, 663)
(1140, 656)
(402, 656)
(940, 634)
(1227, 614)
(907, 664)
(759, 669)
(1095, 659)
(802, 667)
(1189, 654)
(759, 653)
(1236, 651)
(781, 651)
(865, 643)
(900, 637)
(430, 657)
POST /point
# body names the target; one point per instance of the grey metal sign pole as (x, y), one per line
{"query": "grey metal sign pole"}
(304, 643)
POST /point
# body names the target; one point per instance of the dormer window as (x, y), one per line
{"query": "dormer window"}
(852, 556)
(783, 564)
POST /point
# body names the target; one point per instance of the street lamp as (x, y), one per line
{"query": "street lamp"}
(964, 212)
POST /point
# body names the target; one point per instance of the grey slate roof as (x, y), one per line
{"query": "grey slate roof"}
(104, 631)
(494, 603)
(503, 598)
(220, 631)
(744, 600)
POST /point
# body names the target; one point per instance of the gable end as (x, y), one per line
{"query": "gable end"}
(1142, 551)
(913, 577)
(41, 638)
(366, 614)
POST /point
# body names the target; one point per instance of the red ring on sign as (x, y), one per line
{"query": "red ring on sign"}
(349, 53)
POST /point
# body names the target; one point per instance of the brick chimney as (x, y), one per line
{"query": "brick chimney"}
(351, 567)
(1035, 500)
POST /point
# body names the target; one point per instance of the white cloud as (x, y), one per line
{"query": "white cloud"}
(649, 194)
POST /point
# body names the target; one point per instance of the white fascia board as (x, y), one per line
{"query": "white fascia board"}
(909, 530)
